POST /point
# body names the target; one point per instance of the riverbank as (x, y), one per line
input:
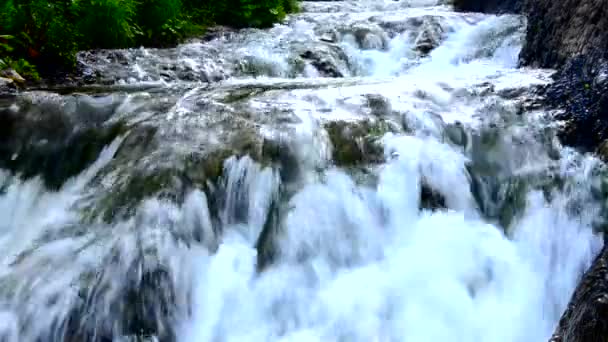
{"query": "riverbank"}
(41, 38)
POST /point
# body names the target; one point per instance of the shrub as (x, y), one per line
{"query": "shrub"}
(41, 28)
(107, 23)
(160, 21)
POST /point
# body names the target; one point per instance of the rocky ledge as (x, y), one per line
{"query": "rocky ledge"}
(572, 37)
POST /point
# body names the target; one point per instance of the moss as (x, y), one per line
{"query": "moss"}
(357, 143)
(196, 170)
(122, 202)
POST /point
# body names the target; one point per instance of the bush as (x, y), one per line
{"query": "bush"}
(251, 13)
(160, 21)
(42, 28)
(107, 23)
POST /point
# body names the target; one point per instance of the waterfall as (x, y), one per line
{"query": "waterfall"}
(365, 171)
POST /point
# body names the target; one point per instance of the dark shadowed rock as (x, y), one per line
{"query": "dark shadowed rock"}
(581, 92)
(430, 198)
(560, 30)
(489, 6)
(55, 137)
(585, 319)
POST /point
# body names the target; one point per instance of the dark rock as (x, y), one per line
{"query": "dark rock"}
(430, 198)
(430, 36)
(379, 105)
(562, 29)
(581, 92)
(7, 86)
(142, 306)
(266, 244)
(489, 6)
(53, 137)
(456, 134)
(585, 317)
(325, 59)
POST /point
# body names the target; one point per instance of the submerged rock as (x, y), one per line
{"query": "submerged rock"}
(357, 143)
(430, 198)
(430, 36)
(379, 105)
(55, 137)
(327, 59)
(366, 35)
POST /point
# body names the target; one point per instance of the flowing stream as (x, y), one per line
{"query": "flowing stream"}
(366, 171)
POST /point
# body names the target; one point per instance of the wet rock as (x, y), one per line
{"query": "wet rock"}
(585, 317)
(602, 151)
(55, 137)
(326, 59)
(431, 199)
(500, 199)
(367, 36)
(170, 181)
(561, 30)
(430, 36)
(218, 32)
(357, 143)
(266, 243)
(11, 74)
(7, 86)
(456, 134)
(379, 105)
(148, 166)
(582, 95)
(142, 306)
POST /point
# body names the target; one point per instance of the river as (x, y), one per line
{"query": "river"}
(366, 171)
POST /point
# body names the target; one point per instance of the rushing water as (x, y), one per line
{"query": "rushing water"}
(186, 228)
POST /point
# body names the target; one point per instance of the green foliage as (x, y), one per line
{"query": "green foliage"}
(249, 13)
(107, 23)
(21, 66)
(48, 33)
(160, 21)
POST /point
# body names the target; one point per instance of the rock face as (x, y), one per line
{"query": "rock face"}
(572, 36)
(585, 318)
(560, 30)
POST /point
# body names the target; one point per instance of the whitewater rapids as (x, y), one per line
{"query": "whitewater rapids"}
(355, 255)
